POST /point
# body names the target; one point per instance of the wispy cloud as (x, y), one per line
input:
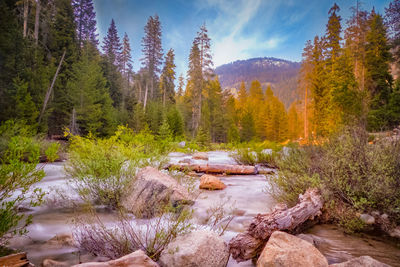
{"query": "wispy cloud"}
(230, 30)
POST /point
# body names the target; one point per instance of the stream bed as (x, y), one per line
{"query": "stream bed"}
(245, 195)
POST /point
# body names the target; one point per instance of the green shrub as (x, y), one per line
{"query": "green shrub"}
(100, 169)
(18, 173)
(349, 171)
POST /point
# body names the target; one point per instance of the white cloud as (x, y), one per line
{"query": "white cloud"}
(227, 29)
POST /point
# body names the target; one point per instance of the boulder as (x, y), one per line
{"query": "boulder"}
(61, 240)
(53, 263)
(307, 238)
(284, 249)
(363, 261)
(395, 232)
(211, 182)
(182, 144)
(152, 191)
(202, 248)
(135, 259)
(200, 155)
(267, 151)
(367, 219)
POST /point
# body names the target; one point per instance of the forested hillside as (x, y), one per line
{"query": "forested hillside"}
(54, 76)
(281, 75)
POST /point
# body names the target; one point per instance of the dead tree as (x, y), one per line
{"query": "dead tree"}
(248, 245)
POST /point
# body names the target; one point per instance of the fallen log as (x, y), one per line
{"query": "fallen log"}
(248, 245)
(16, 260)
(215, 168)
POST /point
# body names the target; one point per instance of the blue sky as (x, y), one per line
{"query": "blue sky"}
(239, 29)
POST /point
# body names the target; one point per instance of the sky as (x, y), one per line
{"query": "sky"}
(239, 29)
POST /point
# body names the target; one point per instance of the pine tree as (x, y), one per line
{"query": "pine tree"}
(247, 129)
(393, 19)
(175, 122)
(63, 38)
(152, 51)
(305, 84)
(333, 38)
(355, 36)
(112, 45)
(255, 103)
(85, 20)
(89, 94)
(181, 84)
(379, 79)
(195, 86)
(126, 58)
(167, 79)
(25, 107)
(294, 123)
(204, 43)
(112, 64)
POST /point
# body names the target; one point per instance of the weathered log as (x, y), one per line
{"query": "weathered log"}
(16, 260)
(249, 244)
(215, 168)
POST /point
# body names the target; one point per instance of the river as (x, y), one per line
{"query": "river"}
(245, 195)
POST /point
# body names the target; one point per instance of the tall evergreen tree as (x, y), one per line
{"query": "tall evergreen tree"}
(112, 46)
(195, 85)
(62, 38)
(89, 94)
(85, 20)
(167, 79)
(332, 36)
(112, 64)
(393, 20)
(126, 58)
(378, 58)
(152, 52)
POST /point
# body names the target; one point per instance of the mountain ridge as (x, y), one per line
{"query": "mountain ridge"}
(280, 74)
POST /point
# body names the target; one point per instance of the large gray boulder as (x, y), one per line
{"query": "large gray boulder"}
(135, 259)
(202, 248)
(363, 261)
(284, 249)
(151, 191)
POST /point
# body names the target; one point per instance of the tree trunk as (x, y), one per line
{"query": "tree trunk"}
(26, 9)
(37, 19)
(216, 168)
(248, 245)
(48, 93)
(145, 97)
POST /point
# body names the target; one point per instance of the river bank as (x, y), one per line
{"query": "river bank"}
(245, 196)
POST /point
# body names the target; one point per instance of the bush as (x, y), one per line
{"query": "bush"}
(352, 174)
(127, 236)
(100, 169)
(18, 173)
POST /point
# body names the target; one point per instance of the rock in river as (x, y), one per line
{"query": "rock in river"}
(200, 248)
(211, 182)
(151, 191)
(284, 249)
(363, 261)
(200, 155)
(135, 259)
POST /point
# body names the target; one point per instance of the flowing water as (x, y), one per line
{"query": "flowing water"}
(245, 196)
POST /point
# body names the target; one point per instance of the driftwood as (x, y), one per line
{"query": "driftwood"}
(248, 245)
(215, 168)
(15, 260)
